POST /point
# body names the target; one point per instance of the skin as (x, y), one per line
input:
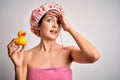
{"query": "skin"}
(48, 53)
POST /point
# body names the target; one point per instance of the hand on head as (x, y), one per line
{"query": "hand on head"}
(63, 21)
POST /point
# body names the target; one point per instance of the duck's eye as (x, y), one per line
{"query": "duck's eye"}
(49, 20)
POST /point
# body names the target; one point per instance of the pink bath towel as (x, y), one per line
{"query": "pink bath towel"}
(59, 73)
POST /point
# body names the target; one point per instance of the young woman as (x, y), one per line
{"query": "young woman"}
(50, 60)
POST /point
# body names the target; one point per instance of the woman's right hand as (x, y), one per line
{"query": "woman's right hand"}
(15, 53)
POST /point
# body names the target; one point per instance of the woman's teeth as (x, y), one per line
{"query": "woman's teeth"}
(53, 31)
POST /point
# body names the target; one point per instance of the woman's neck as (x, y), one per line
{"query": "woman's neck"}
(46, 45)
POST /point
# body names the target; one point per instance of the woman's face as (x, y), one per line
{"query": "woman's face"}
(50, 27)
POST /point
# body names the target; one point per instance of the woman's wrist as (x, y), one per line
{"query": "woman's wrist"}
(70, 29)
(18, 73)
(18, 68)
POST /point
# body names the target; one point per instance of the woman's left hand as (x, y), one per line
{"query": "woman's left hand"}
(64, 23)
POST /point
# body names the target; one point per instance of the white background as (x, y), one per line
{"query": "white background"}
(97, 20)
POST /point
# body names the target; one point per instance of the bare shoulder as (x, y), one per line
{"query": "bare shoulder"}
(27, 56)
(29, 52)
(71, 48)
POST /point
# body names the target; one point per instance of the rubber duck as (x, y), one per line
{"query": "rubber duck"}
(21, 40)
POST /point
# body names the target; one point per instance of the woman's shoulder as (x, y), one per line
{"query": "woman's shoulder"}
(28, 53)
(69, 47)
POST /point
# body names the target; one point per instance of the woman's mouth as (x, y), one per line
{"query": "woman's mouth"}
(53, 32)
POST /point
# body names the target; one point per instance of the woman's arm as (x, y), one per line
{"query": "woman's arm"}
(86, 52)
(21, 73)
(16, 54)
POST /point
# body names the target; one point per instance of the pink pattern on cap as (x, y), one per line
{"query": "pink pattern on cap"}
(39, 12)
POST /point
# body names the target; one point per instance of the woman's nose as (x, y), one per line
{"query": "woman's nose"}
(55, 24)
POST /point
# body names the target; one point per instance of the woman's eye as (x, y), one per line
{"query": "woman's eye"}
(50, 20)
(58, 22)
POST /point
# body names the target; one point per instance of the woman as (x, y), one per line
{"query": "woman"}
(50, 60)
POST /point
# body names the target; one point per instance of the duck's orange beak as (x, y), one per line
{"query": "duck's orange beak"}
(23, 34)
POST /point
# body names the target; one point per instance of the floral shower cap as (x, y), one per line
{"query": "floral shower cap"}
(39, 12)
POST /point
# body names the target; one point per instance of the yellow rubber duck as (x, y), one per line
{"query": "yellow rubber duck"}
(21, 40)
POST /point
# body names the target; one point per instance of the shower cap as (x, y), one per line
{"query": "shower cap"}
(39, 12)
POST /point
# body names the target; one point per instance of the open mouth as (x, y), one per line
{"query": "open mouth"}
(53, 31)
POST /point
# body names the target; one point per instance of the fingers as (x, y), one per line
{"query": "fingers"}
(59, 15)
(14, 48)
(23, 48)
(55, 13)
(10, 46)
(11, 43)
